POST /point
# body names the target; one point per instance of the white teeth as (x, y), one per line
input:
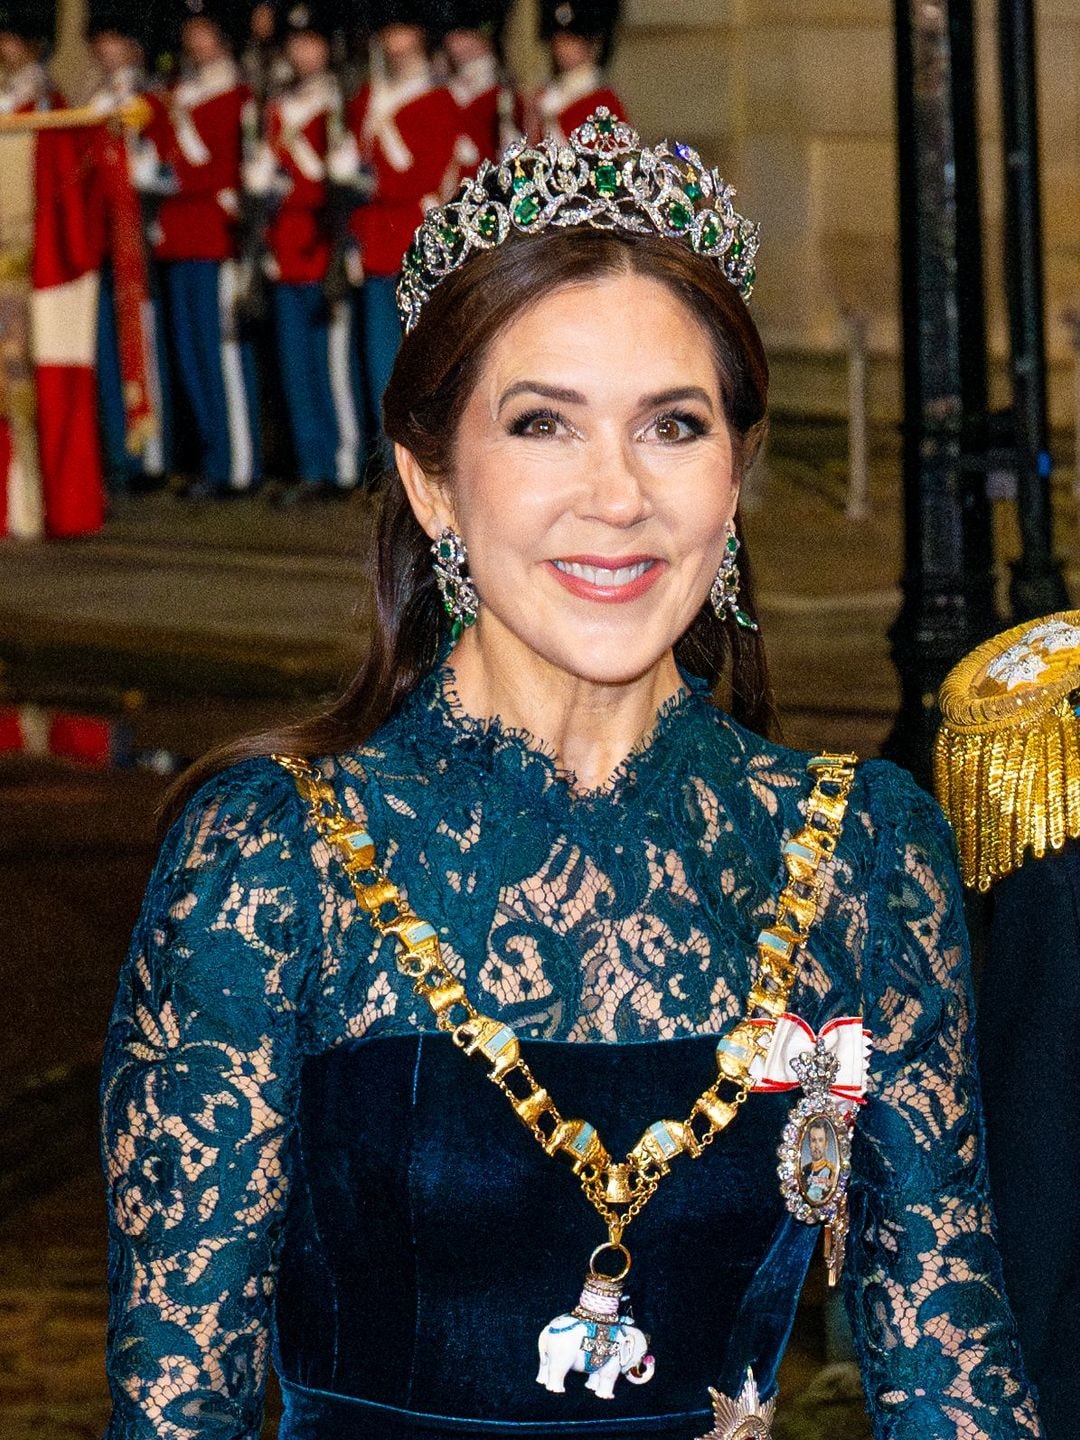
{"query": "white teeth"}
(598, 575)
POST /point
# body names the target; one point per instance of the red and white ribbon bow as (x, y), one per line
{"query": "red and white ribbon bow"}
(844, 1037)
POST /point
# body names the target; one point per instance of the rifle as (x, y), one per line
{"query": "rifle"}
(257, 208)
(344, 194)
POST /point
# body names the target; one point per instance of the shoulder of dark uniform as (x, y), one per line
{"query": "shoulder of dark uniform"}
(1007, 755)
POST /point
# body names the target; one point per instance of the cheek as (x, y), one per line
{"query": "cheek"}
(510, 506)
(695, 503)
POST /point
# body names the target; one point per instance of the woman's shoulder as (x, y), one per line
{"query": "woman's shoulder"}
(893, 810)
(242, 808)
(244, 788)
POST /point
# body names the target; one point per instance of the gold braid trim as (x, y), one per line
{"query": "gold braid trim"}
(1007, 756)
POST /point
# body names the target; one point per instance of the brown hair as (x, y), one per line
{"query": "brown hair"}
(436, 369)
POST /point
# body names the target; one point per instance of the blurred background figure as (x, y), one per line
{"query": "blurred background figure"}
(580, 35)
(317, 355)
(118, 35)
(131, 368)
(24, 86)
(262, 60)
(50, 469)
(196, 131)
(404, 128)
(473, 45)
(26, 31)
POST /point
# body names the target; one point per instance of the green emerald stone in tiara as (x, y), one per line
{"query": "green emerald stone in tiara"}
(602, 177)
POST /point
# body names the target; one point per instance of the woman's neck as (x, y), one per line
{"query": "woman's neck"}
(590, 727)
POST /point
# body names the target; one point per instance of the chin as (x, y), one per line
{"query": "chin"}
(613, 663)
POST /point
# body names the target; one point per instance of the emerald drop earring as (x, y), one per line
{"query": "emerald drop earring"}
(458, 592)
(724, 594)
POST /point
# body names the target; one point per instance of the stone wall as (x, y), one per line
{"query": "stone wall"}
(795, 99)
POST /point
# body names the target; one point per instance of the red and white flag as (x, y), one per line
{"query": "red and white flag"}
(50, 460)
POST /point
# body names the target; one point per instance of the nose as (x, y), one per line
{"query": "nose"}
(613, 489)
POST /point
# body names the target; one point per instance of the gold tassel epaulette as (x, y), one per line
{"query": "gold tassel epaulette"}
(1007, 756)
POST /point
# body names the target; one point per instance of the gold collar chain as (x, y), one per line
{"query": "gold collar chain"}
(617, 1190)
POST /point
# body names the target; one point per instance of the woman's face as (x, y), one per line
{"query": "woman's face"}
(593, 479)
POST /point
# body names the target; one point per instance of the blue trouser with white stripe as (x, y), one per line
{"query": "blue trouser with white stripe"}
(121, 466)
(216, 369)
(320, 374)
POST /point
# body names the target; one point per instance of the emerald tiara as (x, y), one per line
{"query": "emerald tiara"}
(601, 177)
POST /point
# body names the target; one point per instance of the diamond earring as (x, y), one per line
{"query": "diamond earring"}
(724, 594)
(458, 592)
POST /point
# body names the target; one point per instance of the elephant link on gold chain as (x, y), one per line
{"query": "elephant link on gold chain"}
(618, 1190)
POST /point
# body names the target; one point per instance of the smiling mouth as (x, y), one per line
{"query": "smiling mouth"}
(610, 579)
(614, 582)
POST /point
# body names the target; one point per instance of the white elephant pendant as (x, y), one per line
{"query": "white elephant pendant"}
(598, 1338)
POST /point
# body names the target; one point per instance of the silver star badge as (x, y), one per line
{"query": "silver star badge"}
(745, 1418)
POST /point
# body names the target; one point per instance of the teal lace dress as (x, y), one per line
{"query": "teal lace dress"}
(299, 1168)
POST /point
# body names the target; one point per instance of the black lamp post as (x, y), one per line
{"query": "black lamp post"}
(948, 550)
(1037, 585)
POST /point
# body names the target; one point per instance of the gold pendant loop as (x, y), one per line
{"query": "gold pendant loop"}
(614, 1245)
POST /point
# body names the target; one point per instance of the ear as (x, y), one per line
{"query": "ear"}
(429, 498)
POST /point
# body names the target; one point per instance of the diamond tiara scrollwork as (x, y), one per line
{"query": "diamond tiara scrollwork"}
(602, 177)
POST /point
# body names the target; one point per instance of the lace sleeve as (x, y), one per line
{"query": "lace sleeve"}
(935, 1336)
(198, 1085)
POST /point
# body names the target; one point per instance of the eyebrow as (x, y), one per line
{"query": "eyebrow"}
(575, 397)
(549, 392)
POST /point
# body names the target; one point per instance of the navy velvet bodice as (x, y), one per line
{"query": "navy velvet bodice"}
(297, 1161)
(411, 1186)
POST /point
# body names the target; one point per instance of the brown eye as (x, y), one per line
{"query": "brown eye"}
(539, 424)
(674, 427)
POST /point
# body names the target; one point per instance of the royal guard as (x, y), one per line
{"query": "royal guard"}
(262, 59)
(472, 44)
(405, 129)
(130, 348)
(580, 35)
(50, 465)
(317, 356)
(1007, 770)
(196, 130)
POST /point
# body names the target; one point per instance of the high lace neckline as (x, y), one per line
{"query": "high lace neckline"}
(492, 744)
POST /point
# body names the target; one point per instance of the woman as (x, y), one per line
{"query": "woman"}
(577, 841)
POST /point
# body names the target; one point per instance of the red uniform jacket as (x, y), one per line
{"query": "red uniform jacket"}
(578, 111)
(484, 105)
(297, 132)
(197, 132)
(568, 102)
(410, 146)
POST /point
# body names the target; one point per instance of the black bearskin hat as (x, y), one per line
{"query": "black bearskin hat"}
(320, 16)
(29, 20)
(594, 19)
(231, 18)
